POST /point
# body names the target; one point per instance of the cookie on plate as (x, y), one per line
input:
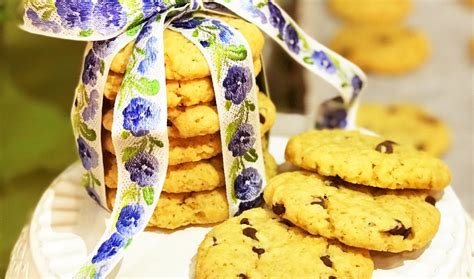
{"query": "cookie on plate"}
(382, 49)
(406, 123)
(184, 60)
(179, 210)
(257, 244)
(371, 11)
(359, 216)
(367, 160)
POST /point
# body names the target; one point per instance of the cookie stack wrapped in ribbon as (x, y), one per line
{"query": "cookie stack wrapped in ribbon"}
(194, 191)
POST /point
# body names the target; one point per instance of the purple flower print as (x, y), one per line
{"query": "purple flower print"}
(323, 61)
(254, 12)
(43, 25)
(188, 22)
(74, 13)
(151, 7)
(130, 220)
(332, 115)
(225, 34)
(109, 16)
(276, 18)
(93, 194)
(90, 111)
(91, 67)
(109, 248)
(242, 140)
(150, 57)
(248, 184)
(357, 85)
(140, 116)
(246, 205)
(88, 155)
(143, 169)
(103, 49)
(237, 84)
(291, 38)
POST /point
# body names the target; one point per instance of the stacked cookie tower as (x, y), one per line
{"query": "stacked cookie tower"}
(194, 191)
(356, 194)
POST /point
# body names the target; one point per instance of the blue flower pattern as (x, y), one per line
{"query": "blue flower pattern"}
(248, 184)
(109, 248)
(88, 155)
(91, 68)
(75, 13)
(143, 169)
(237, 84)
(140, 116)
(130, 220)
(109, 16)
(43, 25)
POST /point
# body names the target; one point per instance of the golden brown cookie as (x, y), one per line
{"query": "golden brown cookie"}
(181, 150)
(382, 49)
(184, 60)
(199, 120)
(359, 216)
(179, 92)
(179, 210)
(258, 244)
(367, 160)
(406, 123)
(371, 11)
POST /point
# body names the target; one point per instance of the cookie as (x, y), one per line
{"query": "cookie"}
(188, 177)
(199, 120)
(183, 178)
(257, 244)
(359, 216)
(371, 11)
(179, 92)
(179, 210)
(271, 165)
(181, 150)
(367, 160)
(406, 123)
(184, 60)
(382, 49)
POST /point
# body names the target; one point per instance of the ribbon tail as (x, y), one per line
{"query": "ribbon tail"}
(230, 60)
(140, 140)
(342, 74)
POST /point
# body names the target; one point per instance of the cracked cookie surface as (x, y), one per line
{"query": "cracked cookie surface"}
(367, 160)
(257, 244)
(359, 216)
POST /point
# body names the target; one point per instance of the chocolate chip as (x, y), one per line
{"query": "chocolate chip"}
(75, 102)
(385, 147)
(169, 123)
(250, 232)
(332, 277)
(384, 39)
(326, 260)
(320, 201)
(400, 229)
(214, 240)
(421, 146)
(428, 119)
(258, 251)
(430, 200)
(278, 209)
(262, 119)
(334, 181)
(286, 222)
(244, 221)
(242, 276)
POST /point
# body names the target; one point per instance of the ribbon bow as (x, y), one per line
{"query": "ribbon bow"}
(139, 129)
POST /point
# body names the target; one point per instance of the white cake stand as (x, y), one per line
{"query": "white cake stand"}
(67, 223)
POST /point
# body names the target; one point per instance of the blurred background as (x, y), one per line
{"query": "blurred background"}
(38, 76)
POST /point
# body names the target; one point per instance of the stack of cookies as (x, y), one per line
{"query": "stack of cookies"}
(194, 190)
(374, 37)
(356, 194)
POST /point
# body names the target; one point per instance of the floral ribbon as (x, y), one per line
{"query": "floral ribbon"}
(139, 131)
